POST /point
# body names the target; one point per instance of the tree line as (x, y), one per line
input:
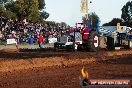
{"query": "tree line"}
(31, 10)
(126, 16)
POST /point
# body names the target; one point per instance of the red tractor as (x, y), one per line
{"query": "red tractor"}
(90, 40)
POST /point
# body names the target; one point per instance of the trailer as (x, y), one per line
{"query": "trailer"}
(67, 42)
(117, 37)
(64, 42)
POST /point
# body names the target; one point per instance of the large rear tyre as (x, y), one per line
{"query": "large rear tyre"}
(110, 43)
(56, 47)
(79, 47)
(93, 41)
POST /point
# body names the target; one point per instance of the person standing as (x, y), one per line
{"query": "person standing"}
(31, 40)
(40, 40)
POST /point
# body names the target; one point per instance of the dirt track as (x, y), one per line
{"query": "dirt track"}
(46, 69)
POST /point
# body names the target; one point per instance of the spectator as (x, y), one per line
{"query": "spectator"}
(20, 31)
(31, 40)
(40, 40)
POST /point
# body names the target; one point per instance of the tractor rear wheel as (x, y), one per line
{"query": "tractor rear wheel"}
(56, 48)
(93, 41)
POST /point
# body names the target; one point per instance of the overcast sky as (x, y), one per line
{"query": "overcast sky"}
(69, 10)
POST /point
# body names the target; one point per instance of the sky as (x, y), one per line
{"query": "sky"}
(69, 10)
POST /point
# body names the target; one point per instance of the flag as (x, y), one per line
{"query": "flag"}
(83, 6)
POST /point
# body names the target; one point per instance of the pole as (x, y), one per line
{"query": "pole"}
(87, 10)
(91, 16)
(87, 18)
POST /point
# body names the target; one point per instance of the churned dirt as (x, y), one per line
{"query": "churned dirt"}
(45, 68)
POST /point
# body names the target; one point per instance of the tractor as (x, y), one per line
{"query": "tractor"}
(90, 40)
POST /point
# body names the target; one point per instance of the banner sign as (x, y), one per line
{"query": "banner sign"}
(11, 41)
(52, 40)
(83, 6)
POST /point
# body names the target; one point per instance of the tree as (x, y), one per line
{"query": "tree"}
(17, 7)
(114, 22)
(44, 14)
(1, 9)
(32, 10)
(41, 6)
(7, 14)
(94, 19)
(6, 1)
(63, 25)
(127, 14)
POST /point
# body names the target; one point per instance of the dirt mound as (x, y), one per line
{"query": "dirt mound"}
(13, 60)
(9, 50)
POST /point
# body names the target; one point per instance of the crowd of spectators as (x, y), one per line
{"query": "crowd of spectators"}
(22, 32)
